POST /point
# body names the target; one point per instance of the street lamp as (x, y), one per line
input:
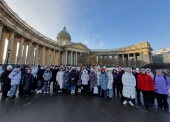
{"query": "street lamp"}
(8, 52)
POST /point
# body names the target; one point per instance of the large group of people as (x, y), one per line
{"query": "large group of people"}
(126, 84)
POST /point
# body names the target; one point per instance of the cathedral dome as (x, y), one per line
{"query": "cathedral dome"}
(63, 33)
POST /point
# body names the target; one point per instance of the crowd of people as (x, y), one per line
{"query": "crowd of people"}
(126, 84)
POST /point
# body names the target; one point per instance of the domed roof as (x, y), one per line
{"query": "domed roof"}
(63, 32)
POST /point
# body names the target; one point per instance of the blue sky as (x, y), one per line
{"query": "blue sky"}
(100, 24)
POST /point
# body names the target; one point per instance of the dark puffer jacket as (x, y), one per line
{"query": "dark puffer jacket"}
(5, 81)
(73, 78)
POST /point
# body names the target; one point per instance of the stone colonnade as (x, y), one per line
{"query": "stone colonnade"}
(25, 51)
(127, 59)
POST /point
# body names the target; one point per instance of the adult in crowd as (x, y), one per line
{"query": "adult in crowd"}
(73, 80)
(119, 82)
(47, 76)
(54, 73)
(162, 85)
(152, 93)
(110, 84)
(27, 81)
(146, 85)
(23, 72)
(129, 84)
(134, 72)
(66, 80)
(92, 80)
(78, 87)
(115, 83)
(34, 70)
(59, 79)
(15, 77)
(103, 83)
(85, 79)
(6, 81)
(98, 80)
(40, 79)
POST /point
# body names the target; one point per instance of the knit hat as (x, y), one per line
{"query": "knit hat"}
(103, 68)
(159, 70)
(142, 69)
(148, 69)
(128, 69)
(9, 66)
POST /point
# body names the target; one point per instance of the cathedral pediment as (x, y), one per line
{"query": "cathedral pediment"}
(79, 46)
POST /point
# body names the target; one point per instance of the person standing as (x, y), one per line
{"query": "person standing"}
(162, 85)
(6, 81)
(15, 77)
(27, 81)
(23, 72)
(103, 83)
(47, 76)
(145, 84)
(78, 87)
(98, 80)
(110, 84)
(119, 82)
(115, 84)
(59, 79)
(92, 79)
(152, 93)
(73, 80)
(85, 79)
(129, 84)
(40, 79)
(66, 84)
(134, 72)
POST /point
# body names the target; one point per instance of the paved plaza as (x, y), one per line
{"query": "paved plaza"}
(60, 107)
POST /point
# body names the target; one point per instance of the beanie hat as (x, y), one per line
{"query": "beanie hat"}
(142, 69)
(148, 69)
(159, 70)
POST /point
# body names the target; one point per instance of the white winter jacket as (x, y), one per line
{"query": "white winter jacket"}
(59, 78)
(129, 83)
(85, 77)
(110, 81)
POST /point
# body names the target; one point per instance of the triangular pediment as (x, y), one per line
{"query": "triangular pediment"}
(79, 46)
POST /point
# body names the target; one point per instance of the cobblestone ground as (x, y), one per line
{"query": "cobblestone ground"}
(60, 107)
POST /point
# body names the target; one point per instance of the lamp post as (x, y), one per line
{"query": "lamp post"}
(8, 52)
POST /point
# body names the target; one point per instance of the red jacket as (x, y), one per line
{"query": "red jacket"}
(145, 82)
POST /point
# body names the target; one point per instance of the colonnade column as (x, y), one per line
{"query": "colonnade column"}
(71, 58)
(19, 59)
(2, 45)
(36, 54)
(59, 57)
(42, 56)
(66, 57)
(24, 53)
(76, 58)
(10, 45)
(29, 53)
(14, 51)
(48, 57)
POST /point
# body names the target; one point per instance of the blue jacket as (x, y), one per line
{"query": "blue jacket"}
(103, 80)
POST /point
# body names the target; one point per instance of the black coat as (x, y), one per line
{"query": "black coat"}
(119, 78)
(27, 81)
(54, 73)
(73, 78)
(6, 82)
(40, 75)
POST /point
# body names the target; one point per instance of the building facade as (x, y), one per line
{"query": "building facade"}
(22, 44)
